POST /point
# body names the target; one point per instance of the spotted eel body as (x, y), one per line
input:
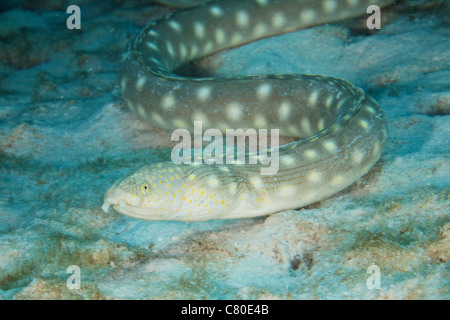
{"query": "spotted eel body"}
(341, 130)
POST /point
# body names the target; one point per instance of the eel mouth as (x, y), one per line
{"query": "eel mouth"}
(135, 211)
(121, 206)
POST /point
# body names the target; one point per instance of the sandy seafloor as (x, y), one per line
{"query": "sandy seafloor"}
(66, 136)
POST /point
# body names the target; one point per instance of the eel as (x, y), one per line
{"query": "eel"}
(340, 130)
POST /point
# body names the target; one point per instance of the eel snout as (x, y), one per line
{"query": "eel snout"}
(120, 200)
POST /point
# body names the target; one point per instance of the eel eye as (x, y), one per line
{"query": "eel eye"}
(145, 188)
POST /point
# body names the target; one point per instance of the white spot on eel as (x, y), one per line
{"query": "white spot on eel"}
(341, 131)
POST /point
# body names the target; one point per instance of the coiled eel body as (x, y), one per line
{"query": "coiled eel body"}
(341, 130)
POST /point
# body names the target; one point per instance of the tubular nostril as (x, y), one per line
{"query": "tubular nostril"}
(105, 207)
